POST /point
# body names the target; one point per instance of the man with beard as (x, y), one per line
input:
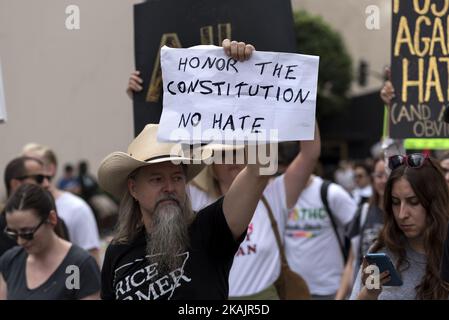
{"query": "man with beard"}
(161, 249)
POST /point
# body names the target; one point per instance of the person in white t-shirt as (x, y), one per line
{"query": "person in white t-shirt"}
(257, 264)
(311, 243)
(75, 212)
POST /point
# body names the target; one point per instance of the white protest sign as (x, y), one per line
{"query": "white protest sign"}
(209, 96)
(2, 98)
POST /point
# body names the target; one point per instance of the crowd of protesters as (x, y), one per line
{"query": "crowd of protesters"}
(191, 231)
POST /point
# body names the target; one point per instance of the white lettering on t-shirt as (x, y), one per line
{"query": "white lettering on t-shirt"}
(176, 278)
(127, 284)
(131, 285)
(164, 282)
(133, 282)
(151, 271)
(151, 291)
(119, 289)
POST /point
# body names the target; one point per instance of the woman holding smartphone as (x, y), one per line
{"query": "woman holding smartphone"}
(415, 223)
(44, 266)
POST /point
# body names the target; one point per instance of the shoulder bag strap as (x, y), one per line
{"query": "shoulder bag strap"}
(274, 226)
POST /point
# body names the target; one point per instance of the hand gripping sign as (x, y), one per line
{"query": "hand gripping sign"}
(209, 96)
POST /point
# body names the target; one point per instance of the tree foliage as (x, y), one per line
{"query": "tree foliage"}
(316, 37)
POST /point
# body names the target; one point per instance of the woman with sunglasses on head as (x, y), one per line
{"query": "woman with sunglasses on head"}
(44, 266)
(416, 207)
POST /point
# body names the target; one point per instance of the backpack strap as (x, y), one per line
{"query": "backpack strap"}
(363, 216)
(324, 191)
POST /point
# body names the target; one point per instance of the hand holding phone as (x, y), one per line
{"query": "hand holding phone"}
(384, 263)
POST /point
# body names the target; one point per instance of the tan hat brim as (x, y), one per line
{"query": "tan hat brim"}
(115, 168)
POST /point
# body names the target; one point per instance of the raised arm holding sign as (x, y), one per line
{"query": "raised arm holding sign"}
(222, 178)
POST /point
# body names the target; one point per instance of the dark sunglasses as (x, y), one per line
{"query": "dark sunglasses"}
(39, 178)
(414, 160)
(24, 235)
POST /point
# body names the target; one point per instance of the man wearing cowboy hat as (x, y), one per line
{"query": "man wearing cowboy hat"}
(161, 249)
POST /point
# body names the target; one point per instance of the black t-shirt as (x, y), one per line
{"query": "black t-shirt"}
(128, 275)
(445, 260)
(368, 231)
(78, 276)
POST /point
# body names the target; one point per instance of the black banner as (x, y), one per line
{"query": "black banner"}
(268, 24)
(420, 66)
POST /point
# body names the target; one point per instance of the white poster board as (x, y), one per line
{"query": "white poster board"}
(2, 98)
(209, 96)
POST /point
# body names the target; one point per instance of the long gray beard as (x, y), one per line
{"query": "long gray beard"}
(169, 237)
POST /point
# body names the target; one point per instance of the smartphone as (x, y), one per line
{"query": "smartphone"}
(383, 262)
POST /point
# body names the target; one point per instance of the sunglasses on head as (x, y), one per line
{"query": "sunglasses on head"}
(39, 178)
(29, 235)
(414, 160)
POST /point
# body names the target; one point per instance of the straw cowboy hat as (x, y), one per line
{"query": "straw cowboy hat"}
(145, 150)
(205, 180)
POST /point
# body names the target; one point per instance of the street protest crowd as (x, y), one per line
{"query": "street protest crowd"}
(185, 229)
